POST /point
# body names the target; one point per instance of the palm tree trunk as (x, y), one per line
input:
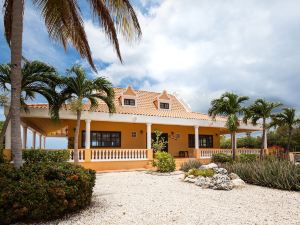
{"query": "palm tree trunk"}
(289, 141)
(16, 78)
(262, 147)
(76, 135)
(4, 127)
(233, 145)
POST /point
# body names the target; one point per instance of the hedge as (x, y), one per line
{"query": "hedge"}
(39, 155)
(43, 191)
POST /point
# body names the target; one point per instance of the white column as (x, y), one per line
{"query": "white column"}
(196, 137)
(40, 141)
(33, 139)
(266, 140)
(8, 136)
(87, 134)
(24, 137)
(44, 142)
(148, 135)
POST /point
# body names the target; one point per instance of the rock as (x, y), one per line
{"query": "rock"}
(191, 176)
(238, 183)
(209, 166)
(190, 180)
(203, 182)
(233, 176)
(220, 171)
(221, 182)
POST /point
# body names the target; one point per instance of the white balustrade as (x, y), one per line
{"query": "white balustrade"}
(81, 155)
(207, 153)
(118, 154)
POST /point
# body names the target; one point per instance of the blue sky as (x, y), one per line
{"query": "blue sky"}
(198, 49)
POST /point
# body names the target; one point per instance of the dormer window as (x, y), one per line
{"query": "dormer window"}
(164, 105)
(128, 101)
(129, 97)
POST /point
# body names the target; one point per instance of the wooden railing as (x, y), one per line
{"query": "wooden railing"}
(118, 154)
(207, 153)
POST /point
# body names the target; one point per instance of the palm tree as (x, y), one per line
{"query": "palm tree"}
(64, 22)
(260, 110)
(286, 118)
(80, 92)
(37, 78)
(229, 105)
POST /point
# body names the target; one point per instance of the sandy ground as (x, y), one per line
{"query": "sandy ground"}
(139, 198)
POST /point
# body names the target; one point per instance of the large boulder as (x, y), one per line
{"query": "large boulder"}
(220, 171)
(209, 166)
(221, 182)
(203, 182)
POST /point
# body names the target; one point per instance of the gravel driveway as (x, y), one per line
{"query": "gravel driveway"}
(139, 198)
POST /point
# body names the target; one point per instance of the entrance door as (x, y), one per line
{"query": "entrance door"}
(164, 136)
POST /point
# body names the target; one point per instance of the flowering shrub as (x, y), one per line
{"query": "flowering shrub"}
(43, 191)
(164, 162)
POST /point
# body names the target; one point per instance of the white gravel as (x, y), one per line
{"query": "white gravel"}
(139, 198)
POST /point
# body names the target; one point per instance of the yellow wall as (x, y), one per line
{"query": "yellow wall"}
(174, 146)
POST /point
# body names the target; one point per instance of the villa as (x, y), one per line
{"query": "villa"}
(122, 140)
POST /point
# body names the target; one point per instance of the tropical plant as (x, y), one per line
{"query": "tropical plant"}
(260, 110)
(221, 158)
(191, 164)
(286, 118)
(273, 173)
(64, 22)
(81, 92)
(159, 143)
(164, 162)
(37, 78)
(229, 105)
(200, 172)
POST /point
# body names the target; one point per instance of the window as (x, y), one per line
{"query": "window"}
(205, 141)
(164, 105)
(128, 101)
(103, 139)
(133, 134)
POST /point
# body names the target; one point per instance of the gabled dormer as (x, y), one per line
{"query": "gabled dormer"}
(163, 101)
(129, 97)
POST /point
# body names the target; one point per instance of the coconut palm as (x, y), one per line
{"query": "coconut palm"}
(287, 118)
(260, 110)
(37, 78)
(81, 92)
(64, 22)
(229, 105)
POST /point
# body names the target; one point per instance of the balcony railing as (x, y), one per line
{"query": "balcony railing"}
(207, 153)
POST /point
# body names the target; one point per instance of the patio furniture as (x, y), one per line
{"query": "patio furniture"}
(184, 154)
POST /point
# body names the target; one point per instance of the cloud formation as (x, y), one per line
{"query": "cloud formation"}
(201, 49)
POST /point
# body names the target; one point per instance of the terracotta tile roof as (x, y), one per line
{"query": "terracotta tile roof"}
(145, 106)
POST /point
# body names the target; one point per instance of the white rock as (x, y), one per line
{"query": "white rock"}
(233, 176)
(190, 180)
(204, 182)
(221, 182)
(209, 166)
(238, 183)
(220, 171)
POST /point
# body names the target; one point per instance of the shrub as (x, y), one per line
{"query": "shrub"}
(247, 157)
(38, 156)
(221, 158)
(191, 164)
(280, 174)
(43, 191)
(201, 172)
(164, 162)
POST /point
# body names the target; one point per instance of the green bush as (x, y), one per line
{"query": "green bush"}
(280, 174)
(38, 156)
(43, 191)
(247, 157)
(191, 164)
(221, 158)
(201, 172)
(164, 162)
